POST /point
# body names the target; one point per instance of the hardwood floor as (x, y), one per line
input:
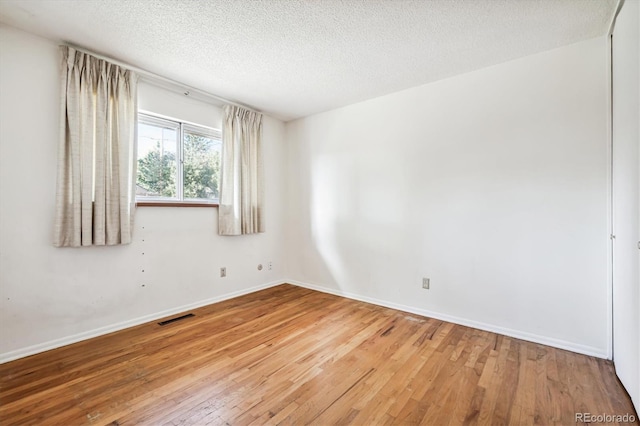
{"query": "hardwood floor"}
(294, 356)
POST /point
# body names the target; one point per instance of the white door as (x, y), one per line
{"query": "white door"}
(626, 198)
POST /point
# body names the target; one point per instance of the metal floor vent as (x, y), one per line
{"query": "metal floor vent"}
(169, 321)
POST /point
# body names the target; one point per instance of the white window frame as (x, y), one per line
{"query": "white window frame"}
(182, 127)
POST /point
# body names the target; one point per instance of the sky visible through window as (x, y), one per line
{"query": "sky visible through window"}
(150, 136)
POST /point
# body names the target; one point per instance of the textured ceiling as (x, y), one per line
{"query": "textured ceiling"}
(293, 58)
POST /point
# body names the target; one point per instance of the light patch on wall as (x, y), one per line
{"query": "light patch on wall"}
(329, 207)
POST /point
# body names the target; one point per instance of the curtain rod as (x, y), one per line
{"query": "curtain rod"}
(165, 81)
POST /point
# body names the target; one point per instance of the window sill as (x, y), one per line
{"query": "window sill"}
(176, 204)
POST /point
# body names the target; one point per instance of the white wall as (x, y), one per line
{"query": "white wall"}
(626, 165)
(493, 184)
(50, 296)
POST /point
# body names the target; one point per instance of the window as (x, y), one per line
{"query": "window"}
(178, 162)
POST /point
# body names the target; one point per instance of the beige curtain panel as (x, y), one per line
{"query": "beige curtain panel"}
(241, 194)
(96, 157)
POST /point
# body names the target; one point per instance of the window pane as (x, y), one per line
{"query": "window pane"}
(157, 161)
(201, 167)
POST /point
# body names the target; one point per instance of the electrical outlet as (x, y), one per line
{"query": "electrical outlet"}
(425, 283)
(270, 265)
(223, 272)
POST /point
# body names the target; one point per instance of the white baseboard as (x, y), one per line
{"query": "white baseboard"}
(523, 335)
(57, 343)
(53, 344)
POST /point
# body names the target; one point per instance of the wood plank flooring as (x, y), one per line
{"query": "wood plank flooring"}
(289, 355)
